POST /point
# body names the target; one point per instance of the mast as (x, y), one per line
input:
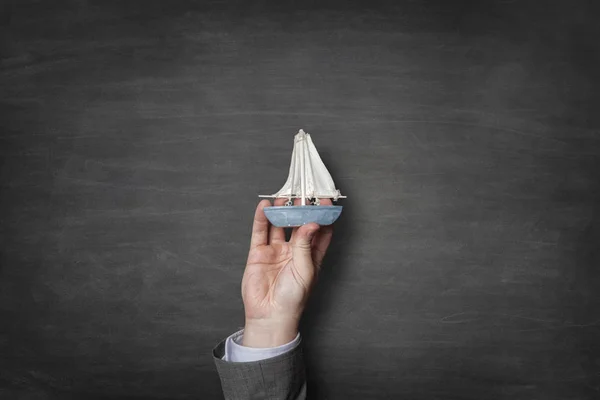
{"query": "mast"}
(302, 172)
(293, 175)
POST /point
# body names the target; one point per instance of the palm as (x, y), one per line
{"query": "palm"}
(271, 281)
(279, 274)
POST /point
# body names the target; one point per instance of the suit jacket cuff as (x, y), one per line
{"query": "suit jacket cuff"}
(282, 376)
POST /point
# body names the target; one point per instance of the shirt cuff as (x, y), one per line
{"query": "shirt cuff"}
(235, 352)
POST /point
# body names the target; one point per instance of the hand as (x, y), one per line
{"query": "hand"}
(279, 276)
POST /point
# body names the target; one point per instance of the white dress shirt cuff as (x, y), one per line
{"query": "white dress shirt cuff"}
(235, 352)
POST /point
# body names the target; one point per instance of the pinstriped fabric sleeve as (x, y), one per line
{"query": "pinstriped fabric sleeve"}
(277, 378)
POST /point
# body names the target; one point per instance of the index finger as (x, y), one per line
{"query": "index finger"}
(322, 239)
(260, 227)
(277, 234)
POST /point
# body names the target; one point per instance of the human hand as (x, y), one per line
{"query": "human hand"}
(279, 276)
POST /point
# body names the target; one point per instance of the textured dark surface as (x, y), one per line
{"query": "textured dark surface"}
(136, 135)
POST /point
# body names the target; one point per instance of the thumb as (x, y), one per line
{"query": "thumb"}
(302, 246)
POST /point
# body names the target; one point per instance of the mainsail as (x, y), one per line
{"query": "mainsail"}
(308, 176)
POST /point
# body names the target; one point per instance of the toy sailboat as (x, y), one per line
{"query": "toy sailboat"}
(308, 179)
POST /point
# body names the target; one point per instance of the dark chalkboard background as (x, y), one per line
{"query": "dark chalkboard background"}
(136, 135)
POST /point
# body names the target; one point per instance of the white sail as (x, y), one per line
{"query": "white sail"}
(306, 163)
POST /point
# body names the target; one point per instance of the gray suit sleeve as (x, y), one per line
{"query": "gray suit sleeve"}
(278, 378)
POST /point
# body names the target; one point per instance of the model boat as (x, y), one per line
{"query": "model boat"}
(309, 180)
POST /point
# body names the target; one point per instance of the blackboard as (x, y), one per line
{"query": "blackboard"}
(136, 136)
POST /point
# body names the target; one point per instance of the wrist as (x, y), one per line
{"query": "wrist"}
(266, 333)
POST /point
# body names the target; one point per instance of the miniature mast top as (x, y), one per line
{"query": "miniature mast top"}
(308, 177)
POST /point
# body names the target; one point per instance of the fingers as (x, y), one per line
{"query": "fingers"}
(322, 239)
(310, 243)
(277, 235)
(320, 244)
(326, 202)
(260, 227)
(297, 202)
(302, 251)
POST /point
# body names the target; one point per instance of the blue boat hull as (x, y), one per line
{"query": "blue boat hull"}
(288, 216)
